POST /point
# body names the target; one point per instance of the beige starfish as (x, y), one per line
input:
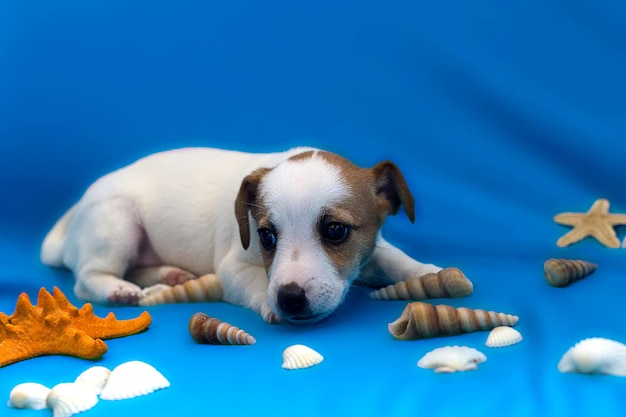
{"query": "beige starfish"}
(597, 222)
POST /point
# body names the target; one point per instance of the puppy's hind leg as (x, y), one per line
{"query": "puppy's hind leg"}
(147, 276)
(103, 239)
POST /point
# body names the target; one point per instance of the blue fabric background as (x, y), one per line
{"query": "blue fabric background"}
(500, 114)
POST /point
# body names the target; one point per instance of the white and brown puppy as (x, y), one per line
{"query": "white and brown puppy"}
(177, 215)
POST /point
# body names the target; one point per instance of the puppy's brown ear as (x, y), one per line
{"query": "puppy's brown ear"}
(392, 190)
(247, 201)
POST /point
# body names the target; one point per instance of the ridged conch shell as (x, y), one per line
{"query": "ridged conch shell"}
(95, 377)
(503, 336)
(595, 355)
(452, 359)
(563, 272)
(422, 320)
(206, 329)
(133, 379)
(449, 282)
(204, 288)
(67, 398)
(30, 395)
(300, 357)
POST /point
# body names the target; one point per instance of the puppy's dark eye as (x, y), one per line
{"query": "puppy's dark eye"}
(268, 238)
(335, 232)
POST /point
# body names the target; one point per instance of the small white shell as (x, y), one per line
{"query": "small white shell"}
(29, 395)
(452, 359)
(68, 398)
(503, 336)
(300, 356)
(95, 377)
(132, 379)
(595, 355)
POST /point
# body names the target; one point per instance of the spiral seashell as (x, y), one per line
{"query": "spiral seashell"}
(449, 282)
(133, 379)
(562, 272)
(95, 377)
(68, 398)
(595, 355)
(30, 395)
(451, 359)
(206, 329)
(204, 288)
(503, 336)
(300, 357)
(421, 320)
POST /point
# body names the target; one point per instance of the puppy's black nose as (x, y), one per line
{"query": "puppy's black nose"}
(292, 299)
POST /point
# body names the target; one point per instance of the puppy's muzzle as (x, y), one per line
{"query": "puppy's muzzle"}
(293, 303)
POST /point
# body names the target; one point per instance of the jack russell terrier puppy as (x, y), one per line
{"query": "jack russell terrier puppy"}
(180, 214)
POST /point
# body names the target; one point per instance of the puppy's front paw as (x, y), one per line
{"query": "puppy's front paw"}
(268, 315)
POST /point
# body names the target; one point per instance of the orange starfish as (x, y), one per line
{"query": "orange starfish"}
(596, 222)
(100, 328)
(56, 327)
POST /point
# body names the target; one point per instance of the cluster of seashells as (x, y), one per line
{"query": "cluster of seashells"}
(205, 329)
(593, 355)
(127, 380)
(448, 359)
(424, 320)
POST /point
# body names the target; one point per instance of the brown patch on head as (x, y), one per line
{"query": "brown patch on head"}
(374, 194)
(384, 183)
(302, 156)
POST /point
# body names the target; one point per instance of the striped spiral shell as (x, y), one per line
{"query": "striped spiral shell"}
(421, 320)
(209, 330)
(562, 272)
(449, 282)
(204, 288)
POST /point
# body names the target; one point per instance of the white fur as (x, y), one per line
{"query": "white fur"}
(170, 217)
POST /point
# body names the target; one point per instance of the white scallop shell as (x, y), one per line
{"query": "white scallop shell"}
(452, 359)
(300, 356)
(595, 355)
(95, 377)
(503, 336)
(67, 398)
(132, 379)
(29, 395)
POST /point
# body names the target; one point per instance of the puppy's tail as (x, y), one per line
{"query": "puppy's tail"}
(52, 246)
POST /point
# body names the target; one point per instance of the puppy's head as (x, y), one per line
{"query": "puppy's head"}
(317, 216)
